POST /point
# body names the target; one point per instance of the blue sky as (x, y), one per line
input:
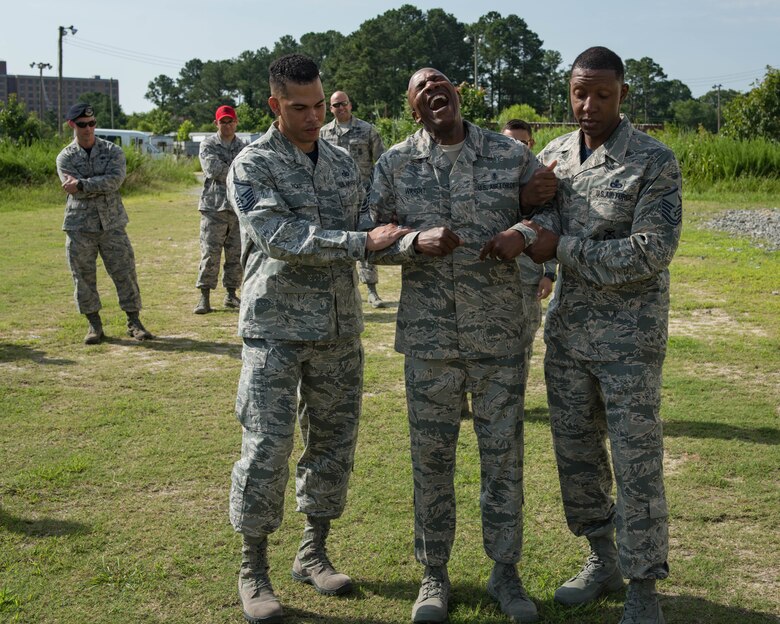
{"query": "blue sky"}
(700, 42)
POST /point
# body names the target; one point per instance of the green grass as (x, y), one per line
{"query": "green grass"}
(116, 458)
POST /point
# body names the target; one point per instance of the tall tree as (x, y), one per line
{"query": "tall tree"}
(556, 88)
(102, 105)
(756, 113)
(643, 77)
(376, 61)
(163, 92)
(515, 59)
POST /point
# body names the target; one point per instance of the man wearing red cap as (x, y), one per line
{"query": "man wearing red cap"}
(218, 223)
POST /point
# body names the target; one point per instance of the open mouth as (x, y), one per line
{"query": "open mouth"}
(438, 102)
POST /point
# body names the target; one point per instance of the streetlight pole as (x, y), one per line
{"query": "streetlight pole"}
(717, 87)
(41, 67)
(63, 30)
(477, 39)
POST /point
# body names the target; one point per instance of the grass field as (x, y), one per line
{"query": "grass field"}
(115, 459)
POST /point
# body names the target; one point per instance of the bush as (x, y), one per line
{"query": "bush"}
(706, 159)
(36, 164)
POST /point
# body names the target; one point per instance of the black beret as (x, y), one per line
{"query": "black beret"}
(79, 110)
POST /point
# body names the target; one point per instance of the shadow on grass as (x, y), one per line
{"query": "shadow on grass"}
(383, 315)
(759, 435)
(44, 527)
(173, 345)
(14, 353)
(291, 615)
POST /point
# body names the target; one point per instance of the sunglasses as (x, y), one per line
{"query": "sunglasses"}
(84, 124)
(338, 104)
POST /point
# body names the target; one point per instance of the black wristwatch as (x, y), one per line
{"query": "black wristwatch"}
(550, 276)
(80, 185)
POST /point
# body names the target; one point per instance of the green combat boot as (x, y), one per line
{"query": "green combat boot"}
(505, 587)
(373, 297)
(431, 603)
(258, 601)
(135, 328)
(598, 576)
(95, 332)
(231, 299)
(203, 307)
(642, 605)
(312, 565)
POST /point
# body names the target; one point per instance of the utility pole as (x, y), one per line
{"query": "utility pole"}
(717, 87)
(477, 39)
(111, 99)
(63, 30)
(41, 67)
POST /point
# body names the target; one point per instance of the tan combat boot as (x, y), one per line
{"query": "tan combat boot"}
(599, 575)
(135, 328)
(203, 307)
(312, 565)
(95, 332)
(641, 606)
(231, 299)
(505, 587)
(258, 601)
(432, 601)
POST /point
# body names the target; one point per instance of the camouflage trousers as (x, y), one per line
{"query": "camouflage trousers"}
(590, 402)
(367, 272)
(317, 384)
(219, 230)
(533, 310)
(436, 400)
(82, 249)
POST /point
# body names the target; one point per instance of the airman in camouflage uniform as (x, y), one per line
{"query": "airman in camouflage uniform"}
(615, 229)
(537, 282)
(218, 223)
(92, 170)
(364, 144)
(537, 279)
(461, 326)
(298, 203)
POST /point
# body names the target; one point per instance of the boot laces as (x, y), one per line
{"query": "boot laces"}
(592, 565)
(432, 587)
(511, 584)
(320, 561)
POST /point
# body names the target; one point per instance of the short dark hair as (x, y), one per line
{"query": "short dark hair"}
(518, 124)
(599, 57)
(295, 68)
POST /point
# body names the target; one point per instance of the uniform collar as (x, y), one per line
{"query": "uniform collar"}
(425, 148)
(613, 149)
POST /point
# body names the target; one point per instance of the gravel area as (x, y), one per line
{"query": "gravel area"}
(762, 225)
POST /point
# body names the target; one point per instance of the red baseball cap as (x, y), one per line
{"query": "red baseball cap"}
(225, 111)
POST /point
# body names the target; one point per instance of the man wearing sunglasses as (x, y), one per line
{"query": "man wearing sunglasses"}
(218, 223)
(92, 170)
(364, 144)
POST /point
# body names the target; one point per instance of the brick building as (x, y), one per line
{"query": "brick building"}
(28, 90)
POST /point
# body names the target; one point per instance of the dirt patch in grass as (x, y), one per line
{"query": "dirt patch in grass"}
(710, 321)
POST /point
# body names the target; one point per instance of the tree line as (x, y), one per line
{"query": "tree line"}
(374, 63)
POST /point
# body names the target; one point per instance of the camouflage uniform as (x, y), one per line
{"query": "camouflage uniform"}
(95, 220)
(461, 326)
(218, 223)
(530, 275)
(619, 215)
(364, 144)
(301, 322)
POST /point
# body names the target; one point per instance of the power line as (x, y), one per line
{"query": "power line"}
(128, 56)
(118, 49)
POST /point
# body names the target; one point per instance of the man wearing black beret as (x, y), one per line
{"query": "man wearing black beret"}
(92, 170)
